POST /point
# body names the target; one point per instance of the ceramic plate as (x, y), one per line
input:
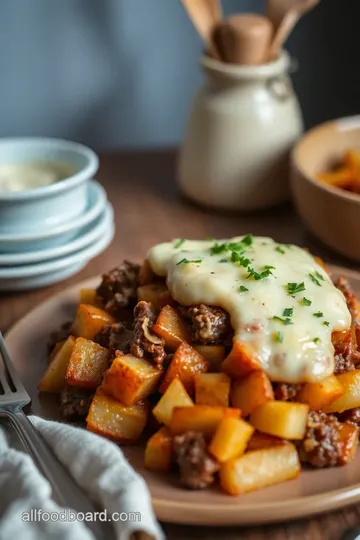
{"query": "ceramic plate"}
(315, 491)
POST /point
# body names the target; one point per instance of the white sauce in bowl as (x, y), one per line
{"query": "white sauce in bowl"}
(281, 302)
(25, 176)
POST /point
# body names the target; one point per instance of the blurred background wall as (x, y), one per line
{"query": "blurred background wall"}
(121, 73)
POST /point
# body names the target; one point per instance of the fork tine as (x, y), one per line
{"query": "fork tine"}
(9, 367)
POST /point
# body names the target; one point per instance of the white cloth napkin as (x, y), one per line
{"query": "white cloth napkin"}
(97, 465)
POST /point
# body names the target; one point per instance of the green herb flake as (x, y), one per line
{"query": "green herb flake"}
(243, 289)
(247, 240)
(326, 323)
(288, 312)
(316, 340)
(306, 302)
(294, 288)
(186, 261)
(318, 314)
(243, 261)
(315, 279)
(258, 275)
(218, 248)
(319, 276)
(279, 337)
(281, 250)
(283, 320)
(179, 243)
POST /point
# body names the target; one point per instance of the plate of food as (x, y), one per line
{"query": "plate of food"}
(226, 369)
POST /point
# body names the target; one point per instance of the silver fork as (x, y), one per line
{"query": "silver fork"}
(13, 397)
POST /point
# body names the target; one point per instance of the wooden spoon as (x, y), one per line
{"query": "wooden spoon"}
(244, 39)
(205, 15)
(284, 14)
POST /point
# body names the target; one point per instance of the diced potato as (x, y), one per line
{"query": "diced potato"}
(172, 327)
(159, 451)
(89, 297)
(281, 418)
(174, 396)
(241, 361)
(130, 379)
(89, 320)
(185, 364)
(56, 349)
(87, 365)
(320, 394)
(212, 389)
(349, 439)
(340, 178)
(53, 379)
(147, 275)
(352, 160)
(230, 439)
(351, 396)
(152, 293)
(214, 354)
(258, 469)
(249, 393)
(203, 418)
(114, 420)
(262, 440)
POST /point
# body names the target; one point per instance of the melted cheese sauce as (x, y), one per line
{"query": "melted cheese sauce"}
(14, 177)
(285, 310)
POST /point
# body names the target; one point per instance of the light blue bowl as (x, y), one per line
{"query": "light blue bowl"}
(43, 208)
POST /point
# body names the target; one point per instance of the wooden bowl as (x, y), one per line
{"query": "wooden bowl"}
(330, 213)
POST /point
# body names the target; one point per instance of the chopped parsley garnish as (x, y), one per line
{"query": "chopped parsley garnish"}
(223, 261)
(294, 288)
(232, 246)
(279, 337)
(179, 243)
(288, 312)
(241, 259)
(284, 320)
(315, 279)
(186, 261)
(326, 323)
(259, 275)
(218, 248)
(319, 276)
(243, 289)
(318, 314)
(316, 340)
(279, 249)
(306, 302)
(247, 240)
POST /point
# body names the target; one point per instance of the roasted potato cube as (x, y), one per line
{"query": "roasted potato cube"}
(112, 419)
(258, 469)
(230, 439)
(87, 365)
(254, 390)
(89, 320)
(212, 389)
(89, 297)
(241, 361)
(320, 394)
(172, 327)
(214, 354)
(203, 418)
(281, 418)
(152, 293)
(130, 379)
(349, 439)
(185, 364)
(262, 440)
(174, 396)
(350, 399)
(159, 451)
(53, 379)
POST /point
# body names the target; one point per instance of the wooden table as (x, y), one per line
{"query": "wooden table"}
(149, 209)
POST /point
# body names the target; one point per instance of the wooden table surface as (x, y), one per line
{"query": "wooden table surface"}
(148, 208)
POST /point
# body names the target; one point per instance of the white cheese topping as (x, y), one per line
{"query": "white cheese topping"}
(281, 302)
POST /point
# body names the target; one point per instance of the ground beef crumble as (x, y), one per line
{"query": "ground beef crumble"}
(344, 286)
(321, 446)
(347, 357)
(144, 343)
(115, 337)
(197, 467)
(286, 392)
(210, 324)
(117, 289)
(352, 416)
(75, 402)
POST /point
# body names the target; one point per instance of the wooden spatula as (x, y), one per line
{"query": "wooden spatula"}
(205, 15)
(284, 14)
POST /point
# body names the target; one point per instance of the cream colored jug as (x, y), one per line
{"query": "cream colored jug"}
(242, 125)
